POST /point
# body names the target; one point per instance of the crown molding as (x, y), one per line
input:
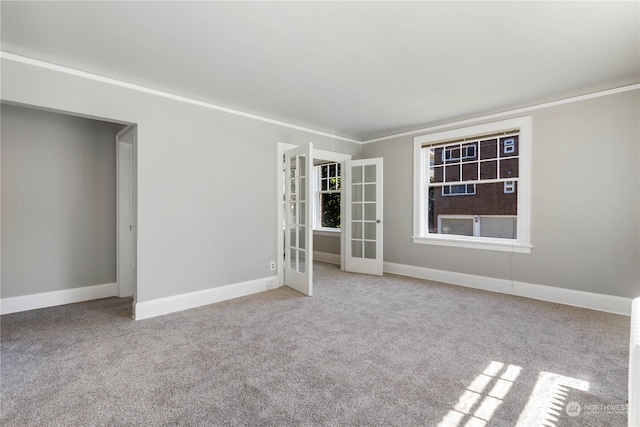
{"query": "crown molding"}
(90, 76)
(503, 114)
(83, 74)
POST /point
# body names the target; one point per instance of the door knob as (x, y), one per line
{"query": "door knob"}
(378, 221)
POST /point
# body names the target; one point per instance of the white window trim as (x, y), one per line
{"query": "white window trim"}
(324, 231)
(421, 233)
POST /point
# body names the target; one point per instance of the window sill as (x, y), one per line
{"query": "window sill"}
(326, 232)
(478, 243)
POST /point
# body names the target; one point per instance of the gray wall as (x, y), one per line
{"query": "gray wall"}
(207, 193)
(326, 244)
(207, 210)
(58, 201)
(585, 203)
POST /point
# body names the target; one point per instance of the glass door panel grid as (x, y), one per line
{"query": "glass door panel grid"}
(363, 211)
(297, 211)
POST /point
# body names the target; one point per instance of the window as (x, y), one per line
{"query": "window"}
(509, 187)
(458, 190)
(500, 226)
(509, 146)
(328, 190)
(489, 166)
(456, 224)
(454, 153)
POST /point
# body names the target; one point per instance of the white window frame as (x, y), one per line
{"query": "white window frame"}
(421, 166)
(317, 186)
(326, 157)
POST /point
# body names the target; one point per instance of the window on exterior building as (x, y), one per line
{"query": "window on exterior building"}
(455, 153)
(488, 165)
(509, 187)
(458, 190)
(328, 191)
(509, 146)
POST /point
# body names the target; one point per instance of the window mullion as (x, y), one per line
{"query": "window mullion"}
(460, 163)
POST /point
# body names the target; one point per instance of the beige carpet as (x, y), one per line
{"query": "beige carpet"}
(363, 351)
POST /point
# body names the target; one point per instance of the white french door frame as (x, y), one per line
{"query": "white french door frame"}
(362, 220)
(298, 237)
(126, 207)
(366, 265)
(280, 190)
(323, 155)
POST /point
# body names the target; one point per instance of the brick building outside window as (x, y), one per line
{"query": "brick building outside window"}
(473, 187)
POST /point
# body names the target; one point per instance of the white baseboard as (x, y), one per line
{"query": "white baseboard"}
(326, 257)
(172, 304)
(601, 302)
(51, 299)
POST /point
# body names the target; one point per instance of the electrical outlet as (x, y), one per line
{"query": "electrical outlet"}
(272, 266)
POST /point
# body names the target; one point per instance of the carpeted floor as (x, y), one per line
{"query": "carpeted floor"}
(362, 351)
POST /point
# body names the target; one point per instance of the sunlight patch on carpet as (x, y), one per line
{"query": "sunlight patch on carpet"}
(478, 402)
(487, 391)
(548, 399)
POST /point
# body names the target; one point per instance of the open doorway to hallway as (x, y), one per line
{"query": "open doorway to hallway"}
(59, 208)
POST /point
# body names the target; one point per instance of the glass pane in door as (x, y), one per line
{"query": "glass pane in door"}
(297, 218)
(356, 248)
(370, 250)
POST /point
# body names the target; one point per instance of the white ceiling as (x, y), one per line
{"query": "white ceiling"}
(356, 69)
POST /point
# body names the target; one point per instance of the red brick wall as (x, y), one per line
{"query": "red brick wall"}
(489, 199)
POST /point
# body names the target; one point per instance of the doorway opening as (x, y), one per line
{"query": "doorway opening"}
(126, 212)
(65, 165)
(300, 191)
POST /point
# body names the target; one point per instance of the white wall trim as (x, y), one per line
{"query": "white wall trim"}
(503, 114)
(421, 184)
(53, 298)
(172, 304)
(42, 64)
(326, 257)
(327, 232)
(139, 88)
(600, 302)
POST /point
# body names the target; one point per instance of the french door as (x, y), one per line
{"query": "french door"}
(298, 266)
(363, 222)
